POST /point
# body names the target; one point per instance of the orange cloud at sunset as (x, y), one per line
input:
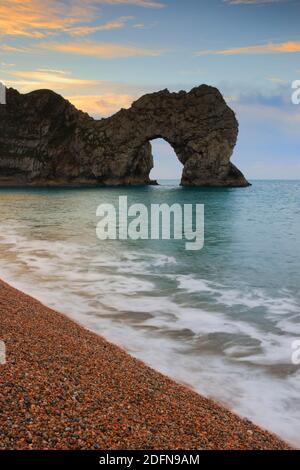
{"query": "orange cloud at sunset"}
(271, 48)
(103, 50)
(42, 18)
(84, 30)
(96, 97)
(7, 48)
(101, 105)
(140, 3)
(37, 18)
(44, 78)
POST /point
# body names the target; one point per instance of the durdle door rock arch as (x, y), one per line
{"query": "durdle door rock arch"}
(44, 140)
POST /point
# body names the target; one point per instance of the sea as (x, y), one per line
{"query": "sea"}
(224, 320)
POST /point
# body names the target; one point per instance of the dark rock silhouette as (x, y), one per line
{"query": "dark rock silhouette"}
(44, 140)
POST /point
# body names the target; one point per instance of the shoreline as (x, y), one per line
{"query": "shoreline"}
(64, 387)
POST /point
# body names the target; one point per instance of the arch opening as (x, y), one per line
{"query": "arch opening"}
(166, 164)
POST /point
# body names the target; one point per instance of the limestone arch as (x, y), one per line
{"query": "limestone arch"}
(198, 125)
(46, 141)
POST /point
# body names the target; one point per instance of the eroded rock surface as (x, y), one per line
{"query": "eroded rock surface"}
(44, 140)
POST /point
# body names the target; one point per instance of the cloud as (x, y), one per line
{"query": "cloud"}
(102, 50)
(271, 48)
(28, 80)
(7, 64)
(140, 3)
(270, 93)
(7, 48)
(97, 97)
(286, 116)
(62, 72)
(267, 109)
(86, 30)
(60, 81)
(253, 2)
(39, 18)
(280, 81)
(43, 18)
(101, 105)
(43, 78)
(145, 26)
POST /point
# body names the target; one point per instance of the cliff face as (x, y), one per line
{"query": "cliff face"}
(44, 140)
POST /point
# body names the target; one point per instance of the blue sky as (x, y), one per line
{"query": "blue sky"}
(103, 54)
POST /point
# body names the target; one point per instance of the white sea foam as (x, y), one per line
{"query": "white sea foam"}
(232, 297)
(211, 345)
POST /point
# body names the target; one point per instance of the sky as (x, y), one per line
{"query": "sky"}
(104, 54)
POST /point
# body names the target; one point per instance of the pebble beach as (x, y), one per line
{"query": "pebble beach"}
(64, 387)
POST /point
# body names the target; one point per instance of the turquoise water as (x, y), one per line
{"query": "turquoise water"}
(222, 320)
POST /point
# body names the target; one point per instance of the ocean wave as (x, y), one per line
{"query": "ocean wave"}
(233, 344)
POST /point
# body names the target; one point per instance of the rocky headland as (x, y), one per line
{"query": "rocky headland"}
(46, 141)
